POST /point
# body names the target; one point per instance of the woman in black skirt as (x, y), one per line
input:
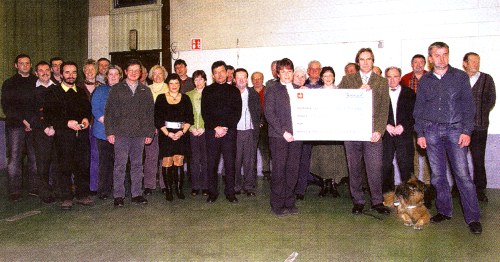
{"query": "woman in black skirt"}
(173, 117)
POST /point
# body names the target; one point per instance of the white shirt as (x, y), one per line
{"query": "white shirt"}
(245, 122)
(394, 101)
(39, 83)
(473, 79)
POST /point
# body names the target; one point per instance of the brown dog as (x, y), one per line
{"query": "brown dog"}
(411, 206)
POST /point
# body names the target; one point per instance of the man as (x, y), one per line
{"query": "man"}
(483, 91)
(247, 134)
(377, 70)
(313, 82)
(17, 102)
(420, 162)
(129, 125)
(68, 111)
(369, 151)
(351, 69)
(411, 79)
(398, 138)
(43, 134)
(230, 75)
(444, 120)
(187, 83)
(221, 111)
(102, 68)
(263, 141)
(271, 82)
(55, 69)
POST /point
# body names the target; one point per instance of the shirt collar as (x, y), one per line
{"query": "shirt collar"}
(39, 83)
(67, 88)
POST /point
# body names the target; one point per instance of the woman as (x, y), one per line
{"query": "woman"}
(285, 151)
(173, 117)
(89, 84)
(158, 74)
(106, 149)
(328, 159)
(299, 77)
(199, 174)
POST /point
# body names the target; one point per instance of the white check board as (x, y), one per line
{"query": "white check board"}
(331, 114)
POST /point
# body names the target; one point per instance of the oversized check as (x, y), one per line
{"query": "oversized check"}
(331, 114)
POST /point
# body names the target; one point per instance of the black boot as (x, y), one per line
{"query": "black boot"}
(325, 189)
(167, 180)
(333, 189)
(179, 183)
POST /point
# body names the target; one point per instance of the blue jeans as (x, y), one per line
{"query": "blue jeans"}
(442, 141)
(17, 139)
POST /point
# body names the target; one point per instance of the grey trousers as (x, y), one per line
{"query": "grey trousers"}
(246, 153)
(126, 147)
(152, 164)
(356, 151)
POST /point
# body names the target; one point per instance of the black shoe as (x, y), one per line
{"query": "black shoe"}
(280, 212)
(238, 192)
(204, 192)
(381, 209)
(439, 217)
(195, 192)
(119, 202)
(250, 194)
(334, 191)
(299, 197)
(357, 209)
(48, 200)
(211, 198)
(15, 197)
(148, 191)
(164, 190)
(475, 227)
(103, 197)
(139, 200)
(481, 196)
(232, 199)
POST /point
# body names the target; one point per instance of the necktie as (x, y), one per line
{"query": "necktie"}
(365, 79)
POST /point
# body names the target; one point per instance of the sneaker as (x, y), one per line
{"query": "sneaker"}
(139, 200)
(67, 204)
(119, 202)
(85, 201)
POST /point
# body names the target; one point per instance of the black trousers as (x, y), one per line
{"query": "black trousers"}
(286, 161)
(226, 146)
(404, 149)
(46, 161)
(478, 149)
(73, 153)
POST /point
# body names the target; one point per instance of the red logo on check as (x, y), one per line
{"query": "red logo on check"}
(300, 95)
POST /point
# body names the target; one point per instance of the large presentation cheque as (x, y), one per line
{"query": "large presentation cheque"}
(331, 114)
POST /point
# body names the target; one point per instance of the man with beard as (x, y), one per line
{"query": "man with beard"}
(68, 111)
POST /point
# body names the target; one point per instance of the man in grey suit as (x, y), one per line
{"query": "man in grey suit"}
(247, 134)
(370, 151)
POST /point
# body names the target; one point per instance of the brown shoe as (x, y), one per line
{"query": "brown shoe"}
(67, 204)
(85, 201)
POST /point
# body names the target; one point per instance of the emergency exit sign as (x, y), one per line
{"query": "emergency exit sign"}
(196, 44)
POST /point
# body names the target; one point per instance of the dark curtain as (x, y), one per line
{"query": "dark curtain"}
(42, 29)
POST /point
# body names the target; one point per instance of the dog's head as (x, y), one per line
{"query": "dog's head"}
(411, 192)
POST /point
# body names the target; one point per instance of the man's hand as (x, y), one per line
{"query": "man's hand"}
(85, 123)
(73, 124)
(390, 129)
(220, 131)
(148, 140)
(366, 87)
(464, 140)
(288, 137)
(375, 137)
(49, 131)
(398, 130)
(111, 139)
(27, 126)
(421, 142)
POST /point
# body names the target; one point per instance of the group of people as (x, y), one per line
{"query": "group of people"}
(80, 137)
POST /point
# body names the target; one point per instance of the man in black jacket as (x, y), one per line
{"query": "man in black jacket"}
(483, 91)
(398, 137)
(221, 111)
(17, 100)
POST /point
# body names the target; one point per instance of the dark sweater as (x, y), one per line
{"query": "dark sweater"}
(484, 96)
(61, 106)
(221, 106)
(17, 99)
(38, 119)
